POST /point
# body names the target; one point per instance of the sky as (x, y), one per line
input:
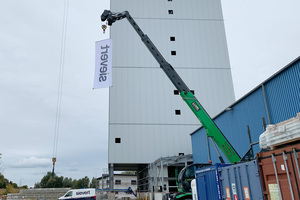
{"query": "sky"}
(262, 37)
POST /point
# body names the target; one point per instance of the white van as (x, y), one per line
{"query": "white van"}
(78, 194)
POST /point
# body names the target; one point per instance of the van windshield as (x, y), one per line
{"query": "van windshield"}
(69, 194)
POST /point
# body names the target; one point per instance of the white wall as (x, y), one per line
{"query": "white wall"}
(142, 102)
(125, 182)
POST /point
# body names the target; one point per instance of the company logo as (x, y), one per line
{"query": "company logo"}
(104, 59)
(196, 107)
(83, 193)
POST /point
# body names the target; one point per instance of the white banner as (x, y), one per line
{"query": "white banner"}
(103, 62)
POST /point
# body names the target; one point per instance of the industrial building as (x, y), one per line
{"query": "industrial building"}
(122, 182)
(275, 100)
(147, 118)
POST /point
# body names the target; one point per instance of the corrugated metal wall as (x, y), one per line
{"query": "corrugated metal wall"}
(283, 94)
(276, 100)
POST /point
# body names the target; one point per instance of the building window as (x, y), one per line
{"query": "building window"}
(173, 53)
(193, 92)
(170, 12)
(172, 38)
(133, 182)
(177, 112)
(117, 140)
(118, 182)
(69, 194)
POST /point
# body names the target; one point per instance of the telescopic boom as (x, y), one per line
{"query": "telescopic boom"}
(211, 128)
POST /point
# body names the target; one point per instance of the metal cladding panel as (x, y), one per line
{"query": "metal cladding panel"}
(233, 124)
(242, 180)
(157, 9)
(283, 94)
(146, 95)
(207, 49)
(145, 143)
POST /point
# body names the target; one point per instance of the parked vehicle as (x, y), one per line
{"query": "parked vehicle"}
(80, 194)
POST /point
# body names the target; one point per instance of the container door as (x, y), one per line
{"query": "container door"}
(241, 181)
(279, 172)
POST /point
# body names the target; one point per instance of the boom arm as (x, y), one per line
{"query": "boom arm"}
(211, 128)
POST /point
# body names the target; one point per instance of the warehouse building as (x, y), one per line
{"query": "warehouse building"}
(275, 100)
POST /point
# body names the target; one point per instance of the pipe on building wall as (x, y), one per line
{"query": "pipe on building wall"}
(111, 177)
(162, 175)
(208, 149)
(266, 103)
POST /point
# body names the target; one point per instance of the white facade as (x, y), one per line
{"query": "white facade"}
(142, 122)
(121, 182)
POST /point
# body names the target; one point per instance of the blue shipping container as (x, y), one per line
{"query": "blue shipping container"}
(241, 181)
(222, 181)
(208, 182)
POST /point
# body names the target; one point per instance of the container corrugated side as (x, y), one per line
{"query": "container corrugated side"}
(241, 181)
(208, 183)
(279, 172)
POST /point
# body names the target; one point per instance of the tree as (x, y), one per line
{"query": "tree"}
(58, 182)
(9, 189)
(24, 187)
(85, 182)
(3, 181)
(53, 181)
(74, 184)
(1, 168)
(81, 183)
(14, 185)
(94, 183)
(37, 185)
(67, 182)
(50, 181)
(45, 179)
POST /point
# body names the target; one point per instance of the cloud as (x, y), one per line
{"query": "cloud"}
(31, 162)
(73, 169)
